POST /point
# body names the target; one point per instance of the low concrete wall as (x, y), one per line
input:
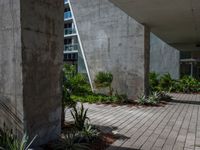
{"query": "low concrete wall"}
(164, 58)
(112, 41)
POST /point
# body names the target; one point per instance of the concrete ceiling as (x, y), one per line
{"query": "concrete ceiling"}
(176, 22)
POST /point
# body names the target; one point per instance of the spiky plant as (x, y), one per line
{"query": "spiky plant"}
(80, 117)
(142, 99)
(9, 142)
(154, 98)
(89, 133)
(70, 141)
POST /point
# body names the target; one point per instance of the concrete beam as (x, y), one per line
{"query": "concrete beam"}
(166, 18)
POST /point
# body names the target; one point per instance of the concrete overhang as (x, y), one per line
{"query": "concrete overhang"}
(177, 22)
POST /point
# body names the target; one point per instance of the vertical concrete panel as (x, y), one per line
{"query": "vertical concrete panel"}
(164, 58)
(42, 53)
(31, 51)
(112, 41)
(11, 97)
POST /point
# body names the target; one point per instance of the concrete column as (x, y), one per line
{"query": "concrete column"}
(31, 46)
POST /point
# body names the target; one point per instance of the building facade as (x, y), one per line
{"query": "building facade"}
(71, 45)
(72, 49)
(190, 64)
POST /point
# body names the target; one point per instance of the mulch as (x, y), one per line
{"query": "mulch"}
(101, 143)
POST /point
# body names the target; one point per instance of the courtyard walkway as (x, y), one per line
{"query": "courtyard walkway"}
(174, 126)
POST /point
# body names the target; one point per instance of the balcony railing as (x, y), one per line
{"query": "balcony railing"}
(67, 15)
(68, 31)
(66, 1)
(71, 47)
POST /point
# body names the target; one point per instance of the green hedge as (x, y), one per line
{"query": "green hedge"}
(186, 84)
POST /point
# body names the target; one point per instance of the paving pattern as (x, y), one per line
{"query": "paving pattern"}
(175, 126)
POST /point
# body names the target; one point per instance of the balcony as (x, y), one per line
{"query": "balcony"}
(67, 15)
(71, 48)
(66, 1)
(69, 32)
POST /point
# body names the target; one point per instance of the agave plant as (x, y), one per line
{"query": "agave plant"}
(154, 98)
(70, 141)
(89, 133)
(142, 99)
(80, 117)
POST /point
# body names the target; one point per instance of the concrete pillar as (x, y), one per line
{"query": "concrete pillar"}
(31, 46)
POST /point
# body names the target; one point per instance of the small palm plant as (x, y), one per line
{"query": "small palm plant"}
(80, 117)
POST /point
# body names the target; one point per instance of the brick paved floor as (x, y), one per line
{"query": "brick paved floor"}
(175, 126)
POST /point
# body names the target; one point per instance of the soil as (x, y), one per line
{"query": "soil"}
(101, 143)
(162, 103)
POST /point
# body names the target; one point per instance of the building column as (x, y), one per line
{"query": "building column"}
(31, 54)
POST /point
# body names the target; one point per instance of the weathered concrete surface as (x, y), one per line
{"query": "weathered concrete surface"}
(164, 58)
(11, 88)
(31, 43)
(112, 41)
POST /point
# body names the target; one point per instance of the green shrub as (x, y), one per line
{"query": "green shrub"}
(77, 89)
(153, 81)
(74, 84)
(188, 84)
(165, 83)
(101, 98)
(80, 117)
(104, 79)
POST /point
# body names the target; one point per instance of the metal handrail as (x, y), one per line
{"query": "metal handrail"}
(68, 31)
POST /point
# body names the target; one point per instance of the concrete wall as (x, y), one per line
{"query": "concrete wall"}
(11, 95)
(163, 58)
(112, 41)
(31, 52)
